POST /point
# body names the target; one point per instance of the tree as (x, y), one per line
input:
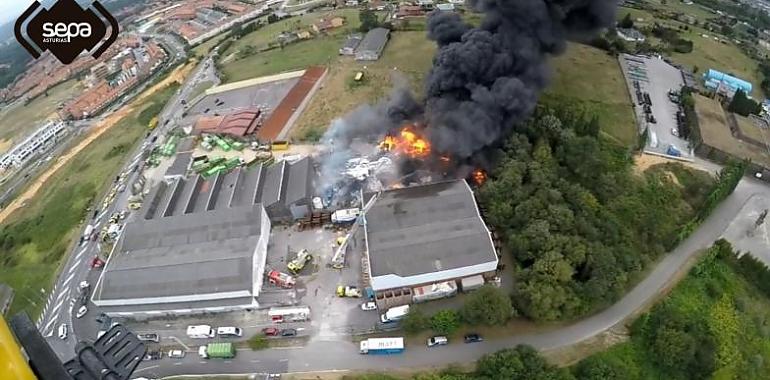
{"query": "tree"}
(368, 19)
(626, 22)
(445, 322)
(599, 367)
(415, 321)
(520, 363)
(487, 306)
(272, 18)
(742, 105)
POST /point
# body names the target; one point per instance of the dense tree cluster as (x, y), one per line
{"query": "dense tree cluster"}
(743, 105)
(368, 19)
(577, 221)
(487, 306)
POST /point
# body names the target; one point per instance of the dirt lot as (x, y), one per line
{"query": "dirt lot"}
(715, 132)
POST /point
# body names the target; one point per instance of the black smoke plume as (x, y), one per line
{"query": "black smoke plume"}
(484, 79)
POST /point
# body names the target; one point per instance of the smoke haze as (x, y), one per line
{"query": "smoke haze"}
(484, 79)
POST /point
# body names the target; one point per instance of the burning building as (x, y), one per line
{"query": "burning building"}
(484, 82)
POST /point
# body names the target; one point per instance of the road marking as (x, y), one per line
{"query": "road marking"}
(57, 307)
(254, 361)
(177, 363)
(146, 368)
(60, 296)
(80, 253)
(202, 362)
(102, 214)
(69, 278)
(72, 268)
(52, 321)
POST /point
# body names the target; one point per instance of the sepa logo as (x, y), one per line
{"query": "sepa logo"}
(66, 30)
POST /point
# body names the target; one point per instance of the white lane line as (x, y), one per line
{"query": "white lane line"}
(62, 294)
(52, 321)
(81, 252)
(72, 268)
(69, 278)
(101, 215)
(146, 368)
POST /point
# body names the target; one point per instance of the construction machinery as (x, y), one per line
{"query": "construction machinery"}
(299, 262)
(348, 291)
(281, 279)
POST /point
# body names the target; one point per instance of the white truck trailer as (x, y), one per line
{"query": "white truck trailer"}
(394, 314)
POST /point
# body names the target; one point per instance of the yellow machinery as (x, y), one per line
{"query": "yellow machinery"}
(13, 365)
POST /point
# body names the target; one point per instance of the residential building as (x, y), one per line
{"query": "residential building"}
(33, 145)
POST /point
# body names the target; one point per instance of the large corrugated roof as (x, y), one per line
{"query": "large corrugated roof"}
(415, 232)
(202, 253)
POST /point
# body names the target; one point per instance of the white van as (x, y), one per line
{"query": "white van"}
(229, 331)
(63, 331)
(438, 341)
(201, 332)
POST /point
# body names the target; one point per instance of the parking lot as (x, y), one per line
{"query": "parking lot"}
(656, 78)
(265, 96)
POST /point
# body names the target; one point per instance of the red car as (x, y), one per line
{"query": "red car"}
(271, 331)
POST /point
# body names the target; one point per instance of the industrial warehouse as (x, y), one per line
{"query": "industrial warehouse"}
(423, 241)
(200, 244)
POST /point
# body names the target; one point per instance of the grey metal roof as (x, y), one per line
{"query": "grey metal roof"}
(203, 253)
(180, 164)
(270, 188)
(374, 41)
(426, 229)
(299, 184)
(352, 41)
(247, 186)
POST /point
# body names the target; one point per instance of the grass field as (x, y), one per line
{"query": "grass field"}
(204, 48)
(319, 51)
(269, 32)
(592, 77)
(17, 121)
(35, 239)
(715, 132)
(200, 88)
(407, 58)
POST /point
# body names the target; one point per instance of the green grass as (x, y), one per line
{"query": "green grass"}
(22, 119)
(410, 53)
(204, 48)
(268, 33)
(35, 239)
(716, 301)
(319, 51)
(593, 78)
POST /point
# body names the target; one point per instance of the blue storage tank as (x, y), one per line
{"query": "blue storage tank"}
(736, 83)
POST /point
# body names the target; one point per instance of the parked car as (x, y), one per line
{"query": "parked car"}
(368, 306)
(289, 332)
(473, 338)
(81, 312)
(674, 132)
(149, 337)
(153, 355)
(270, 331)
(229, 331)
(438, 341)
(176, 354)
(63, 330)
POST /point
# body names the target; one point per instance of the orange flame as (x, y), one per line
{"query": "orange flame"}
(407, 142)
(479, 177)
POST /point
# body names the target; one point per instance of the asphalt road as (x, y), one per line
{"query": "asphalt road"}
(320, 355)
(62, 301)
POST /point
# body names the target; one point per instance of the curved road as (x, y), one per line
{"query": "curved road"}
(324, 355)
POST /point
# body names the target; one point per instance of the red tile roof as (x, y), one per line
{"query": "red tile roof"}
(239, 124)
(281, 115)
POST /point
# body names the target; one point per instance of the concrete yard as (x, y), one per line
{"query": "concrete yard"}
(657, 78)
(742, 234)
(332, 317)
(266, 96)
